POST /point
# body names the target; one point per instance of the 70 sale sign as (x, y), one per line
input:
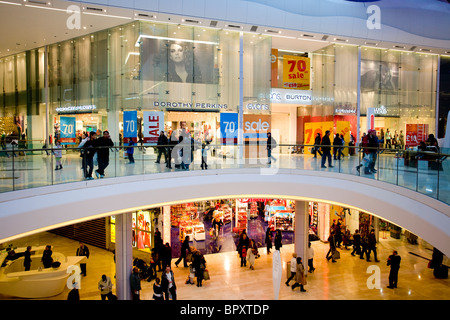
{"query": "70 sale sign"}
(130, 125)
(296, 72)
(68, 130)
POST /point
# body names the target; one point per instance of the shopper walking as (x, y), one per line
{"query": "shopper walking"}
(168, 285)
(356, 243)
(271, 144)
(130, 150)
(199, 264)
(310, 253)
(372, 245)
(326, 149)
(278, 240)
(364, 247)
(316, 148)
(89, 151)
(300, 277)
(83, 250)
(105, 286)
(103, 144)
(162, 146)
(332, 249)
(393, 261)
(58, 154)
(293, 268)
(205, 148)
(268, 240)
(184, 251)
(166, 256)
(252, 253)
(135, 284)
(27, 259)
(47, 257)
(337, 142)
(242, 247)
(157, 290)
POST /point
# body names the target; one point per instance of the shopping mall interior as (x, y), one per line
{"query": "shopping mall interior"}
(221, 76)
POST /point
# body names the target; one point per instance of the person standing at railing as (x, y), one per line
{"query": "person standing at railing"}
(103, 144)
(58, 155)
(326, 149)
(162, 147)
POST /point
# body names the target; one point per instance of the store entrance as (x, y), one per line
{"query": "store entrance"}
(198, 220)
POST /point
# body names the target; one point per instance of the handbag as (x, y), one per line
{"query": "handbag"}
(206, 274)
(336, 255)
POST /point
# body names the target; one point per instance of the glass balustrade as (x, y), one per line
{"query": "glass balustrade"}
(425, 172)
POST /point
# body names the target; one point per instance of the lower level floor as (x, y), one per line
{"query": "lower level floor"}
(346, 279)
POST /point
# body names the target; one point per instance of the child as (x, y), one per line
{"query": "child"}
(58, 155)
(244, 256)
(130, 150)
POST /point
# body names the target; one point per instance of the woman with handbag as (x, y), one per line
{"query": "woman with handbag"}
(252, 253)
(300, 278)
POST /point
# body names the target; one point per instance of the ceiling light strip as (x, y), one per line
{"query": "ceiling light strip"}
(107, 15)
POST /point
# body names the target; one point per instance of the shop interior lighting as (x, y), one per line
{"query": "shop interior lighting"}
(171, 39)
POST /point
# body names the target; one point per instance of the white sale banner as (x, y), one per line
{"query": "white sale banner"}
(153, 125)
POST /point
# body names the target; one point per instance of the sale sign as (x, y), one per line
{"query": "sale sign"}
(312, 129)
(67, 134)
(229, 127)
(296, 72)
(130, 125)
(153, 125)
(415, 133)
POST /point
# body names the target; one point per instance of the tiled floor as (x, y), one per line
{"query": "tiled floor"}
(343, 280)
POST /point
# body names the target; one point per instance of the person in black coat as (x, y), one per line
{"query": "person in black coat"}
(168, 285)
(393, 261)
(162, 147)
(199, 265)
(316, 148)
(166, 256)
(332, 249)
(242, 247)
(356, 243)
(103, 144)
(89, 151)
(326, 149)
(27, 259)
(47, 257)
(268, 239)
(337, 143)
(83, 250)
(184, 251)
(372, 245)
(278, 239)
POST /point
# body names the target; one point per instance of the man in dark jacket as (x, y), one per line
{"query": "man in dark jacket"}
(27, 259)
(135, 284)
(103, 144)
(271, 144)
(162, 147)
(326, 149)
(88, 155)
(184, 251)
(356, 243)
(393, 261)
(83, 250)
(372, 245)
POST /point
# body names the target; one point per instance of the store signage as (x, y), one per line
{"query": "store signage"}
(189, 105)
(130, 124)
(257, 106)
(256, 126)
(153, 125)
(346, 108)
(76, 109)
(229, 127)
(296, 72)
(381, 110)
(415, 133)
(287, 96)
(67, 130)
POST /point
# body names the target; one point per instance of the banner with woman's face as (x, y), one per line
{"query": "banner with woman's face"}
(177, 61)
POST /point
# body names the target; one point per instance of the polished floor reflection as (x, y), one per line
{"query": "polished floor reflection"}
(346, 279)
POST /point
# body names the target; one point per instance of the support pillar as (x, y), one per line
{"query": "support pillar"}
(301, 235)
(124, 255)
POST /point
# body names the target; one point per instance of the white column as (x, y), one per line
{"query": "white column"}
(301, 236)
(124, 255)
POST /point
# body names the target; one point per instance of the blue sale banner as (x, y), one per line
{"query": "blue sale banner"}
(229, 127)
(67, 130)
(130, 124)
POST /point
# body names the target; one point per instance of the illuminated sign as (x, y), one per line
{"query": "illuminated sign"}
(286, 96)
(79, 109)
(189, 105)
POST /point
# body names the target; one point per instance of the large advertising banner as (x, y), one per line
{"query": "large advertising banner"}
(229, 128)
(153, 125)
(312, 129)
(379, 75)
(415, 133)
(130, 125)
(67, 134)
(296, 72)
(178, 60)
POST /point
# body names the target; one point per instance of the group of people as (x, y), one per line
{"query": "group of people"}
(395, 140)
(96, 144)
